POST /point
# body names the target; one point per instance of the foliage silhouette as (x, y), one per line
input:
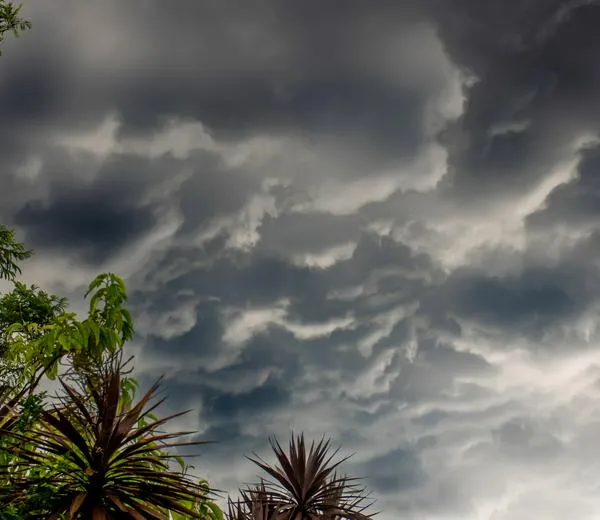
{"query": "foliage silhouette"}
(105, 464)
(304, 486)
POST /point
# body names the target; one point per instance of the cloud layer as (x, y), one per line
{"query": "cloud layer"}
(378, 222)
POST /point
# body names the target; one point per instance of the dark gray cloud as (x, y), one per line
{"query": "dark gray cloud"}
(532, 303)
(376, 222)
(397, 471)
(536, 91)
(92, 219)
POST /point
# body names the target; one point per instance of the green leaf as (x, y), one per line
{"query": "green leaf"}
(10, 21)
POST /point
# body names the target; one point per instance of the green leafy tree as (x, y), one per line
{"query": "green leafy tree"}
(45, 335)
(11, 21)
(12, 252)
(26, 305)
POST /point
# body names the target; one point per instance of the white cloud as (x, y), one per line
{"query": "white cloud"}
(461, 236)
(326, 258)
(171, 323)
(30, 170)
(340, 196)
(384, 324)
(375, 379)
(243, 231)
(177, 137)
(100, 141)
(243, 324)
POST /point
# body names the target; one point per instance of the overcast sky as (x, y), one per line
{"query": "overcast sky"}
(374, 220)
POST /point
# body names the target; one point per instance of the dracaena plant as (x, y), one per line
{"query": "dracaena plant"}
(256, 503)
(107, 462)
(303, 486)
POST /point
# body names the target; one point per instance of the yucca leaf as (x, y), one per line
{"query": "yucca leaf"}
(110, 464)
(304, 485)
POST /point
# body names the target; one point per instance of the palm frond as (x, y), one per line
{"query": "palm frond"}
(303, 485)
(108, 466)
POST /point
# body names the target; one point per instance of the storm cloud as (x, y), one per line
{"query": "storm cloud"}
(377, 221)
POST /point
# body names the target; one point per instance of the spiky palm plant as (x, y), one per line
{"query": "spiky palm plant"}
(109, 460)
(304, 486)
(255, 504)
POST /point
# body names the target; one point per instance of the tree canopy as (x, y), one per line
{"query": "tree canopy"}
(11, 21)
